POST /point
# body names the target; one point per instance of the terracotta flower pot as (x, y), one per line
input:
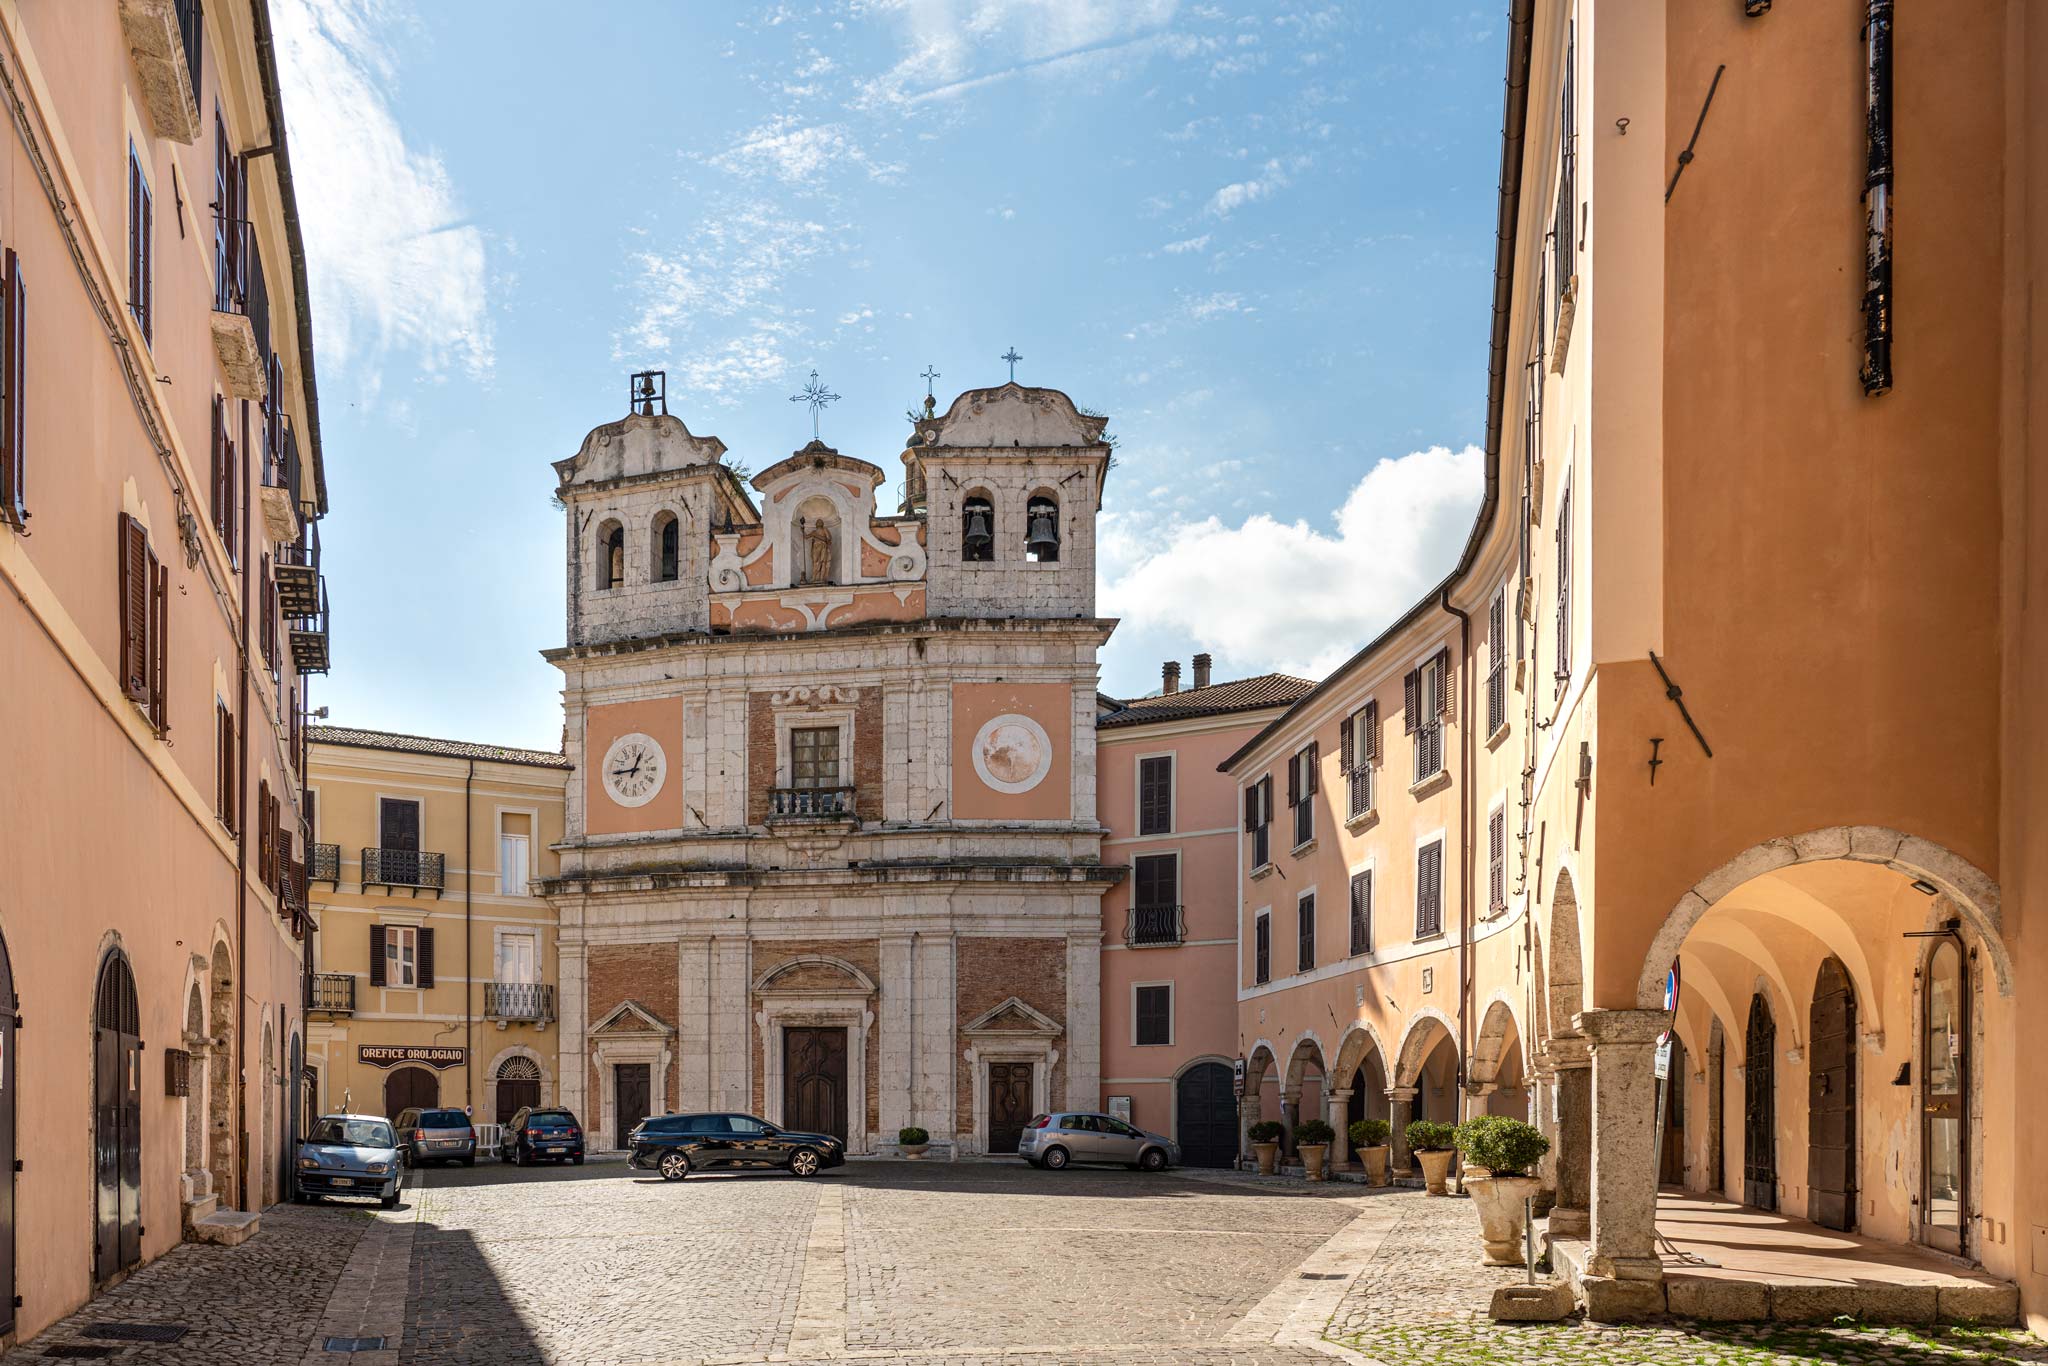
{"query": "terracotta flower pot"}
(1375, 1162)
(1501, 1214)
(913, 1151)
(1269, 1157)
(1436, 1169)
(1313, 1156)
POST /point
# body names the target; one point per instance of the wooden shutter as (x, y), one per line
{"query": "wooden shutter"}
(160, 645)
(426, 957)
(1293, 781)
(1155, 795)
(1155, 1015)
(1429, 884)
(13, 392)
(1305, 933)
(376, 955)
(1266, 800)
(135, 587)
(1411, 701)
(1312, 769)
(266, 847)
(1442, 699)
(1361, 912)
(1564, 587)
(1372, 732)
(1345, 737)
(1251, 808)
(1497, 858)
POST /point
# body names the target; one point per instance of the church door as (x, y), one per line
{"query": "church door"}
(1831, 1101)
(1009, 1104)
(634, 1084)
(814, 1081)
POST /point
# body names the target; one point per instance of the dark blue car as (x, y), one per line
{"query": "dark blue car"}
(676, 1145)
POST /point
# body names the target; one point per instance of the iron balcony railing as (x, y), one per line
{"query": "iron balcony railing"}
(281, 467)
(296, 571)
(533, 1002)
(1154, 926)
(310, 651)
(331, 993)
(323, 862)
(408, 868)
(232, 243)
(810, 803)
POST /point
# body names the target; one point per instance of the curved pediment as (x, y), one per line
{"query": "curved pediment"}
(637, 445)
(1011, 416)
(809, 974)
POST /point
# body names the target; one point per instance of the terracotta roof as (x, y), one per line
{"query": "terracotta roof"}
(1243, 694)
(420, 744)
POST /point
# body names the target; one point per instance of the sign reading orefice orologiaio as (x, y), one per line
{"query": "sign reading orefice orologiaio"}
(393, 1055)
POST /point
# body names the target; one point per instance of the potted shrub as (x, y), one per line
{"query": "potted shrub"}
(1369, 1141)
(1265, 1137)
(1508, 1151)
(1312, 1137)
(912, 1141)
(1433, 1143)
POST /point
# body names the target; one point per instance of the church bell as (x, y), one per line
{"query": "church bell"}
(1044, 541)
(978, 540)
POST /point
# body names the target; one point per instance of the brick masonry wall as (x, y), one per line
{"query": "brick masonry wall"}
(867, 753)
(865, 954)
(988, 972)
(639, 972)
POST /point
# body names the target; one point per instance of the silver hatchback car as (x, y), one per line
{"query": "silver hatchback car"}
(1052, 1141)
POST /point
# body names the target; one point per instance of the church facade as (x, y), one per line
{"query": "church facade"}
(831, 853)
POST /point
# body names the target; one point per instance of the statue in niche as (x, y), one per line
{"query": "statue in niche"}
(816, 563)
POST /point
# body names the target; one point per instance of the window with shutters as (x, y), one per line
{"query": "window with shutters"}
(1429, 889)
(266, 835)
(266, 614)
(1304, 779)
(1564, 588)
(145, 586)
(401, 956)
(1152, 1009)
(1155, 794)
(1426, 702)
(226, 475)
(227, 778)
(1262, 948)
(1155, 880)
(13, 393)
(1563, 244)
(1258, 820)
(1358, 754)
(1497, 859)
(1361, 912)
(141, 248)
(1497, 661)
(1305, 932)
(398, 824)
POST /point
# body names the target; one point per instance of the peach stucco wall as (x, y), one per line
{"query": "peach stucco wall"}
(1051, 705)
(662, 720)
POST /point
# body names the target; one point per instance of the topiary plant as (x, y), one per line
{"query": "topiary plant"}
(1266, 1131)
(1369, 1133)
(1504, 1146)
(1313, 1131)
(910, 1136)
(1431, 1136)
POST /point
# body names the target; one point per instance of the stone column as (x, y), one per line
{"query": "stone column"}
(572, 1064)
(1572, 1216)
(1083, 1044)
(937, 1049)
(893, 1043)
(1624, 1241)
(693, 1027)
(1400, 1111)
(1290, 1116)
(1338, 1106)
(731, 1058)
(1247, 1115)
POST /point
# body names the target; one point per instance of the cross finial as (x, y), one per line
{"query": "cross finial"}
(928, 376)
(1012, 357)
(817, 396)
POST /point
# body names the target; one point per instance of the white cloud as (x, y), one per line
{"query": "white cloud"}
(953, 46)
(1288, 596)
(795, 153)
(1235, 196)
(392, 263)
(1188, 244)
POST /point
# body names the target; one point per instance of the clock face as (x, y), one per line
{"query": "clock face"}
(634, 768)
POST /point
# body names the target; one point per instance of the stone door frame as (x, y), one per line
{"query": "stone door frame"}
(849, 1010)
(1036, 1044)
(652, 1043)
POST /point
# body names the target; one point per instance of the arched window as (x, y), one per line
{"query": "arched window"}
(1042, 529)
(978, 528)
(668, 547)
(611, 556)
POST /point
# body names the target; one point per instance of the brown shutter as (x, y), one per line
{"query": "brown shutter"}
(1564, 587)
(1294, 781)
(1251, 808)
(426, 958)
(13, 393)
(1312, 769)
(1442, 701)
(1411, 701)
(266, 847)
(1266, 800)
(148, 298)
(135, 587)
(160, 645)
(1345, 739)
(376, 955)
(1372, 732)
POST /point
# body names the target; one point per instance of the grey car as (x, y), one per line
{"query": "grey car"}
(430, 1136)
(1052, 1141)
(349, 1155)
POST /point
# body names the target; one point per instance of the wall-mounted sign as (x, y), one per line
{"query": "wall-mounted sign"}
(1120, 1106)
(394, 1055)
(1237, 1078)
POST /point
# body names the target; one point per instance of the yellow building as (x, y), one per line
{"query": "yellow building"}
(434, 964)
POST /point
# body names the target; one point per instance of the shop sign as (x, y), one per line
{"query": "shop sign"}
(394, 1055)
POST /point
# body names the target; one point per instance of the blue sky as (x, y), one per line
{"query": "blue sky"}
(1258, 237)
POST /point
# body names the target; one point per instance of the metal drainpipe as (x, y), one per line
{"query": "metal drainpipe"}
(468, 968)
(1877, 199)
(241, 783)
(1464, 846)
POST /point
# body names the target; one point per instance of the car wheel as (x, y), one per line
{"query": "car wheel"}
(674, 1165)
(578, 1159)
(1152, 1160)
(518, 1157)
(804, 1162)
(1055, 1159)
(390, 1201)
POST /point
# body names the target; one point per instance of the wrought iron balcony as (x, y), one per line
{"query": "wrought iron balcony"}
(309, 637)
(531, 1002)
(284, 507)
(810, 804)
(331, 993)
(241, 309)
(1149, 927)
(296, 571)
(324, 864)
(407, 868)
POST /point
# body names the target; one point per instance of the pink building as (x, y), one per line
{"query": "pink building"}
(1169, 1029)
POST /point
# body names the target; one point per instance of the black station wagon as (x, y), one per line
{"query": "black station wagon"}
(676, 1145)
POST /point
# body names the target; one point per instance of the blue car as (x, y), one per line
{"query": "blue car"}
(350, 1155)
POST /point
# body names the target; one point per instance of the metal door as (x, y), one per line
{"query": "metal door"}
(9, 1004)
(632, 1086)
(117, 1121)
(1944, 1093)
(1205, 1115)
(1671, 1163)
(410, 1088)
(1831, 1101)
(814, 1081)
(1760, 1109)
(1009, 1104)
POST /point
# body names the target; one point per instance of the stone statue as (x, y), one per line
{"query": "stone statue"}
(817, 552)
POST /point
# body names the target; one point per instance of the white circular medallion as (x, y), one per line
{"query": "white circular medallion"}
(1012, 753)
(634, 768)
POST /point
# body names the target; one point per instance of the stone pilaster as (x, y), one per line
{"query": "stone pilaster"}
(937, 1049)
(731, 1058)
(1400, 1113)
(894, 1045)
(693, 1030)
(1084, 1019)
(1338, 1108)
(1572, 1064)
(1624, 1187)
(572, 1060)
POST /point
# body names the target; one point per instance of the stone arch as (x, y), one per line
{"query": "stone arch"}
(1040, 504)
(1261, 1061)
(665, 546)
(818, 541)
(1973, 893)
(220, 1028)
(977, 502)
(1565, 970)
(1418, 1040)
(1498, 1026)
(1306, 1047)
(608, 560)
(858, 978)
(1361, 1040)
(525, 1061)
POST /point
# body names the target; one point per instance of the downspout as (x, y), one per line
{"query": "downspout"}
(468, 968)
(1465, 878)
(242, 814)
(1877, 199)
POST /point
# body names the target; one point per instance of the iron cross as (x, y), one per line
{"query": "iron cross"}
(1012, 357)
(817, 395)
(928, 376)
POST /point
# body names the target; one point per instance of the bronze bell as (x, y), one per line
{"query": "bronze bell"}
(1044, 541)
(979, 540)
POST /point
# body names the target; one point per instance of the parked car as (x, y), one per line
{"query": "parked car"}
(1052, 1141)
(676, 1145)
(535, 1135)
(349, 1155)
(429, 1136)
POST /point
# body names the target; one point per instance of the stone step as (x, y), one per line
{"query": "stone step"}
(195, 1210)
(227, 1227)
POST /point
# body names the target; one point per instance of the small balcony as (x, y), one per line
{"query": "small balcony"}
(310, 654)
(810, 804)
(1155, 927)
(324, 863)
(519, 1002)
(238, 309)
(283, 502)
(409, 869)
(296, 571)
(331, 994)
(163, 37)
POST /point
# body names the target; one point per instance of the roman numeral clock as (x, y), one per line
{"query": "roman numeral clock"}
(633, 769)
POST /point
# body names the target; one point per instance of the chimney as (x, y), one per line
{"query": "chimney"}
(1202, 670)
(1170, 675)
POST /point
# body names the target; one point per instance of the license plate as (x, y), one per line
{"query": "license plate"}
(557, 1148)
(448, 1142)
(343, 1181)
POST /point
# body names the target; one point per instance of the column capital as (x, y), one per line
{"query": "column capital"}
(1402, 1092)
(1568, 1054)
(1339, 1093)
(1623, 1028)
